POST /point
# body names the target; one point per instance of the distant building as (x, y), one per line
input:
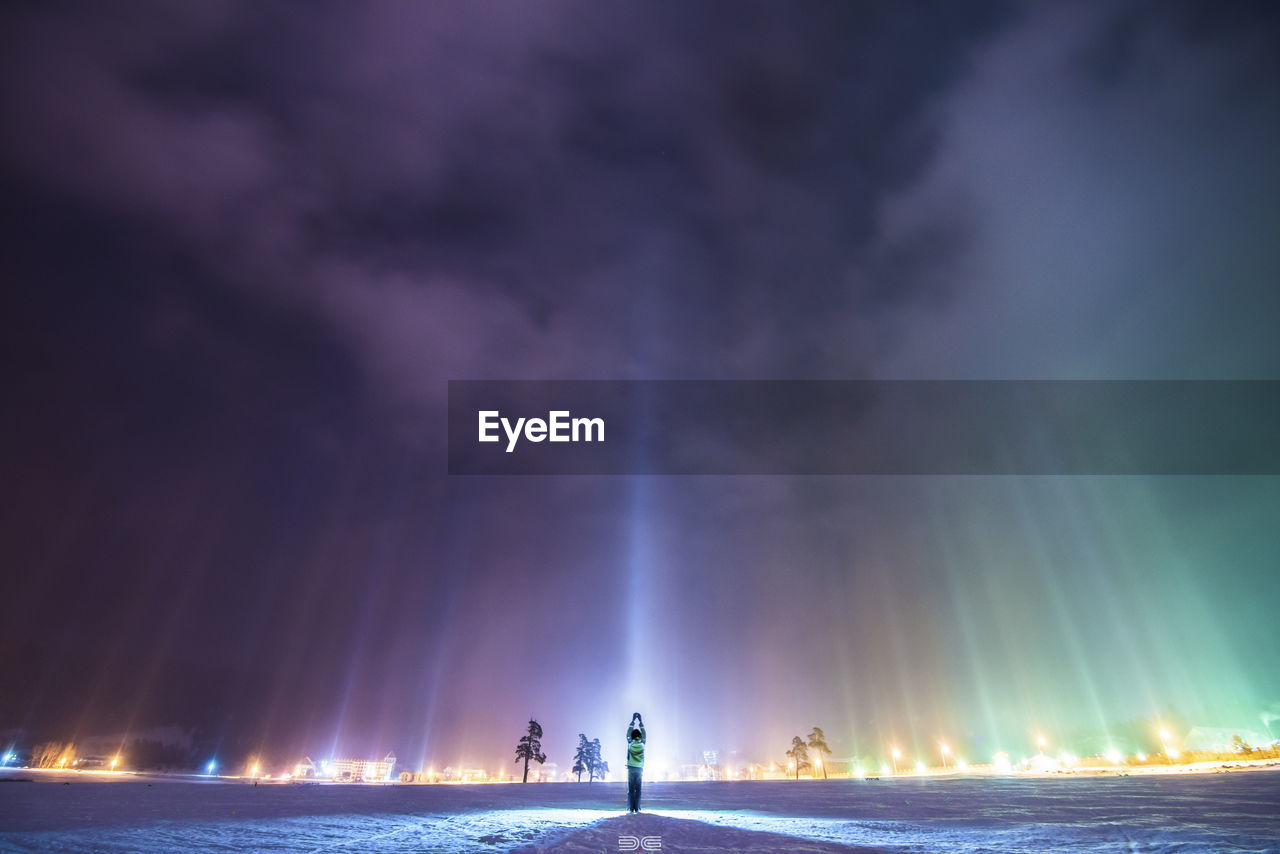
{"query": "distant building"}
(367, 770)
(306, 769)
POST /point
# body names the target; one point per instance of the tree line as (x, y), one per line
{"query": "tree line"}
(587, 760)
(799, 752)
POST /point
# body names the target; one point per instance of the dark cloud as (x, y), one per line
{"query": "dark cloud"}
(1119, 221)
(543, 162)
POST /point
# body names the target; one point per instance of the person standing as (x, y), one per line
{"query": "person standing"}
(635, 761)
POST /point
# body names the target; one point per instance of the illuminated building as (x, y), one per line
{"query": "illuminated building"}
(355, 770)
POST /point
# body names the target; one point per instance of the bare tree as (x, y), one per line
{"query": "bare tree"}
(53, 754)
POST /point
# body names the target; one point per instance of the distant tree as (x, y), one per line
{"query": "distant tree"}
(53, 754)
(530, 747)
(1239, 745)
(147, 754)
(799, 754)
(596, 765)
(818, 742)
(582, 758)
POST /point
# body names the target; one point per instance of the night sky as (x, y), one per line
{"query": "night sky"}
(246, 245)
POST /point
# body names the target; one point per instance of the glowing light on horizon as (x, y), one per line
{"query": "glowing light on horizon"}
(1170, 751)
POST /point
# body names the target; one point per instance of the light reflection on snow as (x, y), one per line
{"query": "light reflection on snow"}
(1232, 811)
(925, 836)
(488, 830)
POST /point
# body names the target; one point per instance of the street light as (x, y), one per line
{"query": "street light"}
(896, 755)
(1169, 752)
(942, 748)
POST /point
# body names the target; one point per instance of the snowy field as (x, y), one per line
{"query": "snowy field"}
(1226, 812)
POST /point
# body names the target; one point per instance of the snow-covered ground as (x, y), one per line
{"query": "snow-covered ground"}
(1237, 811)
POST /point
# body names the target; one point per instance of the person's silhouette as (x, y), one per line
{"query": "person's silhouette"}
(635, 761)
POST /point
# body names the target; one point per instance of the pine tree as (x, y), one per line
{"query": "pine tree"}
(530, 747)
(818, 742)
(799, 754)
(596, 765)
(582, 758)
